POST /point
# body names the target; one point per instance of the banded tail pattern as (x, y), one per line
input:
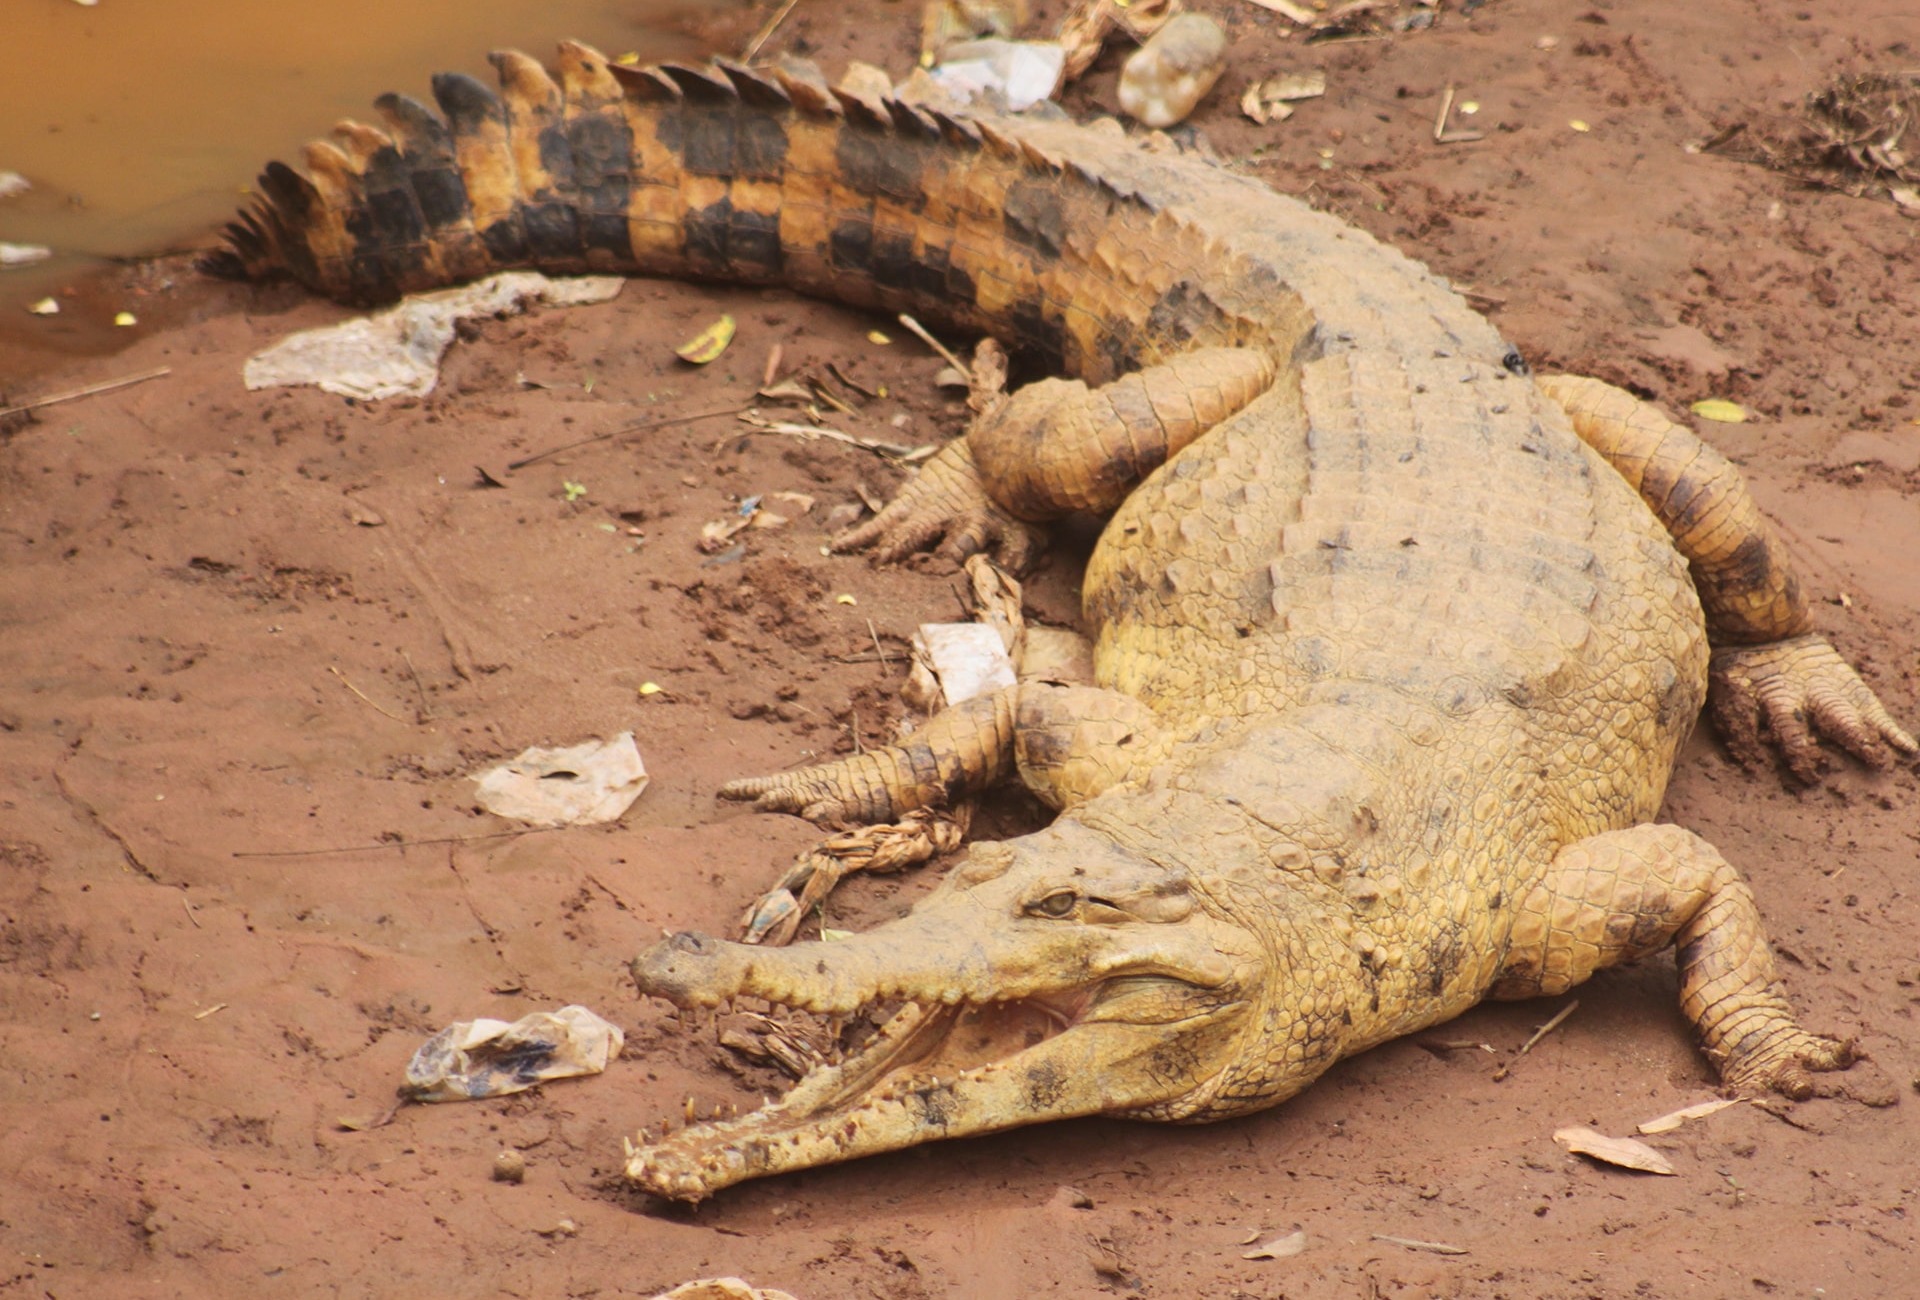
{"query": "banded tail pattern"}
(724, 172)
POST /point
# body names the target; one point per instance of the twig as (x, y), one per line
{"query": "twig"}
(760, 37)
(188, 904)
(772, 372)
(921, 330)
(877, 647)
(1441, 134)
(622, 431)
(1411, 1243)
(385, 713)
(760, 424)
(88, 390)
(215, 1009)
(1559, 1017)
(396, 844)
(426, 710)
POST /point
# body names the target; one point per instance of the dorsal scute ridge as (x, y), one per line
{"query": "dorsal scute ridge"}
(699, 84)
(911, 120)
(361, 141)
(1040, 160)
(806, 86)
(864, 109)
(959, 132)
(646, 85)
(997, 142)
(755, 86)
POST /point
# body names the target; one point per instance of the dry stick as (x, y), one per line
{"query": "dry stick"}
(1559, 1017)
(364, 696)
(88, 390)
(1441, 135)
(623, 430)
(1412, 1243)
(877, 647)
(396, 844)
(188, 904)
(760, 37)
(426, 710)
(933, 342)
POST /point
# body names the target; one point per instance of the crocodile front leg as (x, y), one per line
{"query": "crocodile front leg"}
(1771, 677)
(1056, 447)
(1624, 894)
(1068, 742)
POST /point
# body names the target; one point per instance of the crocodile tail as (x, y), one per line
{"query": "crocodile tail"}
(535, 174)
(728, 173)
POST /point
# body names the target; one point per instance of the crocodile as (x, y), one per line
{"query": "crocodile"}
(1394, 642)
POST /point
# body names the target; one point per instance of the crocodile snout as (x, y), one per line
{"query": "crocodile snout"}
(677, 967)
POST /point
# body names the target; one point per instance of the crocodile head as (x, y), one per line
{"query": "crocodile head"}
(1048, 977)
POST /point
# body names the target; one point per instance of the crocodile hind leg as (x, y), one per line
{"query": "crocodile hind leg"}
(1067, 742)
(1628, 893)
(1056, 447)
(1771, 676)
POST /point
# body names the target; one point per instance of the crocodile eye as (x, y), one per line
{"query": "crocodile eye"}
(1059, 903)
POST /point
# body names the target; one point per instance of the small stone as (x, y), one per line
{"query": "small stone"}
(509, 1167)
(1168, 76)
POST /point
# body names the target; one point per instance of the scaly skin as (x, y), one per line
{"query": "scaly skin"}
(1391, 665)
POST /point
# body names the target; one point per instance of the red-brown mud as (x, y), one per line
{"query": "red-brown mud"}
(228, 702)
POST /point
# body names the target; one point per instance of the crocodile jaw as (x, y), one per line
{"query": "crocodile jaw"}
(1134, 1042)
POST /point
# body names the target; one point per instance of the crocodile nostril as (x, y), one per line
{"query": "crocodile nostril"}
(688, 941)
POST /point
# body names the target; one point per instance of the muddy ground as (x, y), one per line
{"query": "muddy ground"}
(230, 701)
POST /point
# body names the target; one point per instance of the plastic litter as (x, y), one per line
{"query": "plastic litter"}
(396, 353)
(596, 781)
(490, 1058)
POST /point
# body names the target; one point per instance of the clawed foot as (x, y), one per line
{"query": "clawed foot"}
(920, 835)
(1790, 693)
(1787, 1065)
(945, 500)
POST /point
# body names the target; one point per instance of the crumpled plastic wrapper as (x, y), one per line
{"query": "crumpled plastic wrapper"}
(397, 352)
(490, 1058)
(721, 1288)
(1018, 74)
(579, 785)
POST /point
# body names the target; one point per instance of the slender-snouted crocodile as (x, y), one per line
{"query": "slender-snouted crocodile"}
(1394, 642)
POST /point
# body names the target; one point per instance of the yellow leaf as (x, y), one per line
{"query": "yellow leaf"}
(845, 600)
(125, 318)
(1720, 409)
(875, 336)
(708, 344)
(1578, 125)
(651, 688)
(628, 59)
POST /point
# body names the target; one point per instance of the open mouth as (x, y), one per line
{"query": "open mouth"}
(930, 1070)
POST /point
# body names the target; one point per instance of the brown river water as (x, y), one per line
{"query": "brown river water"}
(141, 126)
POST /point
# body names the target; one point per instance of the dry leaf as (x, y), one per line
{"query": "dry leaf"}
(708, 344)
(1673, 1120)
(1625, 1152)
(1718, 408)
(1310, 84)
(1287, 9)
(1285, 1246)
